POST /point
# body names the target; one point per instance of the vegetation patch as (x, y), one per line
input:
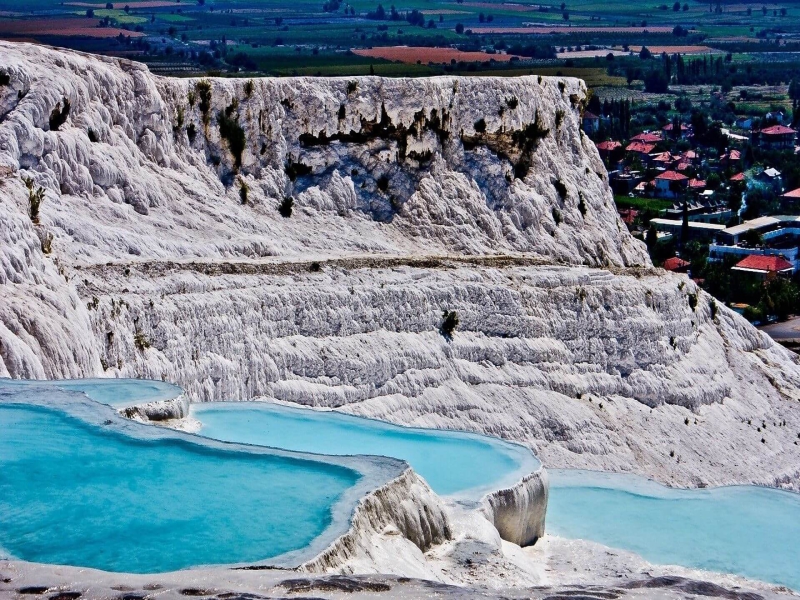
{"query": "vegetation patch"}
(178, 119)
(203, 89)
(140, 341)
(59, 115)
(35, 199)
(233, 134)
(449, 323)
(286, 206)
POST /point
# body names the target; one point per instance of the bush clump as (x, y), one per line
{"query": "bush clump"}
(179, 117)
(692, 301)
(527, 139)
(449, 323)
(233, 133)
(35, 199)
(249, 86)
(286, 206)
(59, 115)
(557, 216)
(141, 342)
(512, 102)
(203, 89)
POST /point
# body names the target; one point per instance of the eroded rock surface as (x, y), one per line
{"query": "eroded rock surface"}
(301, 239)
(409, 198)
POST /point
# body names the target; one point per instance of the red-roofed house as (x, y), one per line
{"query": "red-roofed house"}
(696, 184)
(663, 159)
(777, 137)
(677, 265)
(739, 177)
(730, 158)
(682, 166)
(670, 183)
(690, 156)
(764, 267)
(792, 199)
(590, 122)
(647, 138)
(606, 148)
(640, 150)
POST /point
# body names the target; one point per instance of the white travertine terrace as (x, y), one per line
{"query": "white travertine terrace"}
(569, 341)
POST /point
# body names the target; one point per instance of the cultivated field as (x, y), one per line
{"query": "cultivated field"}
(82, 27)
(419, 55)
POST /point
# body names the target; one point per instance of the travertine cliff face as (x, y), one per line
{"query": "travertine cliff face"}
(410, 197)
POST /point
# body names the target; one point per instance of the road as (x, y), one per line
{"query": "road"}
(787, 330)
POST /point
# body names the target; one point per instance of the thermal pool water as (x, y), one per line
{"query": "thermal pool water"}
(80, 485)
(454, 463)
(746, 530)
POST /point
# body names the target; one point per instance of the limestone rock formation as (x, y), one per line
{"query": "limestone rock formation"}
(301, 239)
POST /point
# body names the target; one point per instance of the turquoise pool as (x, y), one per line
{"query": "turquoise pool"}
(80, 485)
(745, 530)
(119, 393)
(453, 463)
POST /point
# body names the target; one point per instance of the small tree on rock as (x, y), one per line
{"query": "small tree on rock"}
(449, 323)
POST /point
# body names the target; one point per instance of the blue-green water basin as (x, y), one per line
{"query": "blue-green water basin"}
(453, 463)
(82, 486)
(86, 487)
(745, 530)
(119, 393)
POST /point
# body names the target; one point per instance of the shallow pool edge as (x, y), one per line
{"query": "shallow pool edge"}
(375, 473)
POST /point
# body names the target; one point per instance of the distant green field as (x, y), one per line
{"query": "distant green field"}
(312, 37)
